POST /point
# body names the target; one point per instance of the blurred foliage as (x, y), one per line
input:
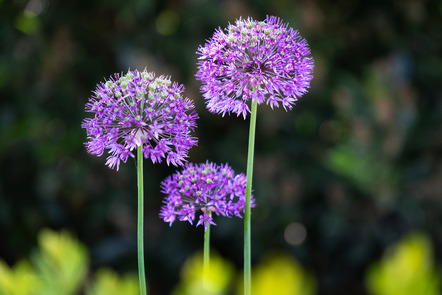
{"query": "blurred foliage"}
(406, 268)
(355, 166)
(59, 267)
(217, 282)
(109, 282)
(61, 263)
(281, 274)
(275, 274)
(20, 280)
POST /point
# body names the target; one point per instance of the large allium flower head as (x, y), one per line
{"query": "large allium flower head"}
(203, 188)
(140, 109)
(251, 60)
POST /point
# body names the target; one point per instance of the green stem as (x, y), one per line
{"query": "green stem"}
(206, 256)
(247, 224)
(140, 231)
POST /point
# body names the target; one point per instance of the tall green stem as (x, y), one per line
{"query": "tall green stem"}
(206, 255)
(140, 230)
(247, 224)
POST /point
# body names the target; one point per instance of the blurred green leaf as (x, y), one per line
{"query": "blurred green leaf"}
(281, 274)
(27, 23)
(363, 168)
(193, 283)
(59, 268)
(19, 280)
(62, 263)
(405, 269)
(108, 282)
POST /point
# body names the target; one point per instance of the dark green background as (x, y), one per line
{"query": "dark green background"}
(358, 161)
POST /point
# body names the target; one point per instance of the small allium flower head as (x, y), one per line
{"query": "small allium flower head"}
(139, 109)
(251, 60)
(205, 188)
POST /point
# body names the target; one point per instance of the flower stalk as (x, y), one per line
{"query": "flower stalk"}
(247, 213)
(140, 222)
(206, 254)
(204, 189)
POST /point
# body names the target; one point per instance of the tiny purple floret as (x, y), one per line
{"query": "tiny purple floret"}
(205, 188)
(253, 60)
(138, 109)
(205, 219)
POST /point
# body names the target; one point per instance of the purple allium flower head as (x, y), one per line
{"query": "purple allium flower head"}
(139, 109)
(251, 60)
(205, 188)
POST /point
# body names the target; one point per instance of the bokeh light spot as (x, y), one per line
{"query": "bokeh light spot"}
(35, 7)
(295, 233)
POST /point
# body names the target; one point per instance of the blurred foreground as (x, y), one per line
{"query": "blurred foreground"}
(61, 267)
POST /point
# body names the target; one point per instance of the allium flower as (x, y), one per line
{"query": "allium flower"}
(206, 188)
(251, 60)
(138, 109)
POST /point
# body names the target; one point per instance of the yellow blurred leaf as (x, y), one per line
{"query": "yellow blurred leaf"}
(18, 280)
(62, 262)
(281, 274)
(108, 282)
(406, 268)
(193, 282)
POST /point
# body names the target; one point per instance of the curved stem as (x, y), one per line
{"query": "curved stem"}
(140, 230)
(247, 213)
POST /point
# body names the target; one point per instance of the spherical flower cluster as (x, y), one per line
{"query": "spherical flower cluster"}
(138, 109)
(251, 60)
(206, 188)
